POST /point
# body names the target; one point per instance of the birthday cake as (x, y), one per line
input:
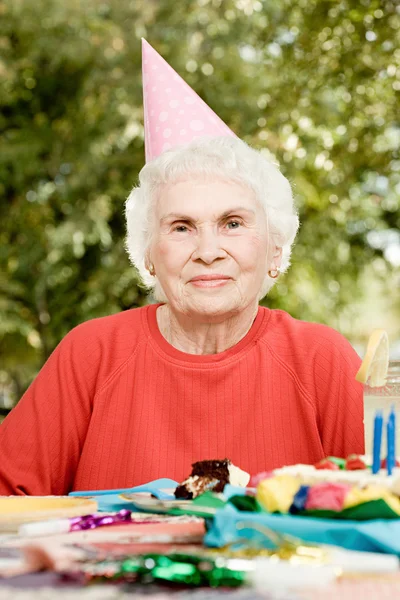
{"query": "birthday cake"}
(286, 494)
(333, 488)
(355, 470)
(211, 475)
(360, 471)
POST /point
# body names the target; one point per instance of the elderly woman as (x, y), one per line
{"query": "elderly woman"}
(205, 372)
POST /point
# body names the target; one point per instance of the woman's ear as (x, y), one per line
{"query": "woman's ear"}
(148, 263)
(276, 257)
(147, 259)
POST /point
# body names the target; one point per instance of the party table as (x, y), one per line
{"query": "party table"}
(164, 530)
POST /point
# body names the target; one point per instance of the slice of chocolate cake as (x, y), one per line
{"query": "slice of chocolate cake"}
(211, 475)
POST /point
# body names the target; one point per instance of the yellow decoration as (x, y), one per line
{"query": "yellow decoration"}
(276, 494)
(372, 492)
(16, 510)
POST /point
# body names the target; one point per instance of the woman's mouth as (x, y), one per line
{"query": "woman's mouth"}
(210, 281)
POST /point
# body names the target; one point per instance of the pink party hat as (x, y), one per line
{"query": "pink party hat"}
(173, 113)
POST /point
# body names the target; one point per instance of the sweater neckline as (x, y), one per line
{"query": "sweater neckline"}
(166, 348)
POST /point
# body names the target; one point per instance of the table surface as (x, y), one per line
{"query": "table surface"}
(43, 586)
(50, 585)
(47, 586)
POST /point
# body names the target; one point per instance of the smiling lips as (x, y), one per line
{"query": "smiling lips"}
(207, 281)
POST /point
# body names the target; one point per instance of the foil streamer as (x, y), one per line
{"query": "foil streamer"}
(94, 521)
(178, 568)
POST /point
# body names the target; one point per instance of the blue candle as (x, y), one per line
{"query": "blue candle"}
(393, 415)
(376, 455)
(391, 442)
(390, 445)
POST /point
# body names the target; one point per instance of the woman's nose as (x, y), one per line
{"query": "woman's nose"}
(208, 247)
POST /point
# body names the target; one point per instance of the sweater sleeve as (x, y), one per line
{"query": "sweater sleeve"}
(339, 397)
(41, 440)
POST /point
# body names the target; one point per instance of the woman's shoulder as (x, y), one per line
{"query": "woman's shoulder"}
(285, 331)
(310, 350)
(99, 347)
(123, 324)
(117, 334)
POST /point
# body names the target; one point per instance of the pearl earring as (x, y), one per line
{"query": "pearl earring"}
(273, 273)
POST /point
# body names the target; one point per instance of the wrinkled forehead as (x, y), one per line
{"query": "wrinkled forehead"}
(205, 196)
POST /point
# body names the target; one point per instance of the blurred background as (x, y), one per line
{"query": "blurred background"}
(313, 84)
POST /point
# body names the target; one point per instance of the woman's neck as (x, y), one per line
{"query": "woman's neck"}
(184, 333)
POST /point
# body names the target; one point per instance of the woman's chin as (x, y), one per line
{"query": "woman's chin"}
(213, 304)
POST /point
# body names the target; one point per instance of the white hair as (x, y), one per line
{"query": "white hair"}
(226, 158)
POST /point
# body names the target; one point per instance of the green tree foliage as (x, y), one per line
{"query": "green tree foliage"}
(313, 83)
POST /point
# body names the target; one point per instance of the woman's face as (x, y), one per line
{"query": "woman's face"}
(210, 247)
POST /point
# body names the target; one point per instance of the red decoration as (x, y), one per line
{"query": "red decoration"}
(355, 463)
(383, 463)
(327, 464)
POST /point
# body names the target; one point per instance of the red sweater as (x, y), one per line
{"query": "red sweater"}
(116, 405)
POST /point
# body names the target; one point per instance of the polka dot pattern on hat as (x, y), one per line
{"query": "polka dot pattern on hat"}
(172, 110)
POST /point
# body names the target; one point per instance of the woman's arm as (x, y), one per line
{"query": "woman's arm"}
(340, 406)
(42, 438)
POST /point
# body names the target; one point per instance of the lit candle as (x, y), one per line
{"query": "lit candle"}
(376, 456)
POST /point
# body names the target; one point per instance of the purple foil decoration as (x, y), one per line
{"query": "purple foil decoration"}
(94, 521)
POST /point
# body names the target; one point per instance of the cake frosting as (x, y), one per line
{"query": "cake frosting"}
(237, 476)
(360, 477)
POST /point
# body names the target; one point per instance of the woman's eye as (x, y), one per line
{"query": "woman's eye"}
(180, 228)
(233, 224)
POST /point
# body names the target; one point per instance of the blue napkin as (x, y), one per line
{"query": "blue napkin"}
(110, 500)
(378, 535)
(113, 503)
(233, 490)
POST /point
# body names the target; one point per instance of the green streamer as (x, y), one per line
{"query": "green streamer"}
(188, 569)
